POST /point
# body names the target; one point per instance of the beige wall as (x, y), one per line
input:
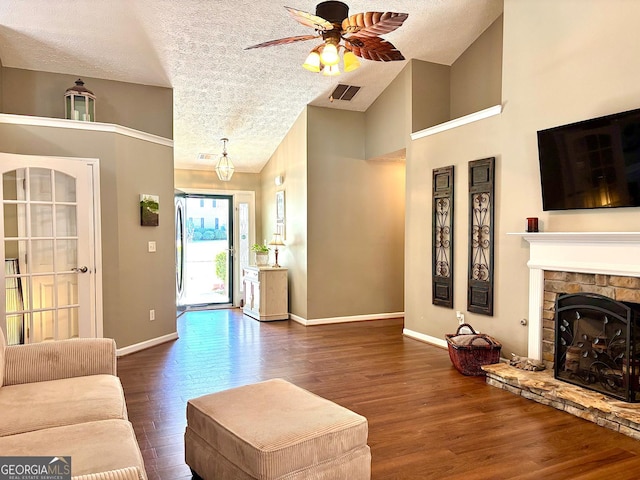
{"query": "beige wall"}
(476, 76)
(425, 94)
(355, 221)
(1, 89)
(562, 62)
(440, 93)
(134, 281)
(343, 214)
(146, 280)
(387, 119)
(430, 94)
(418, 98)
(141, 107)
(208, 180)
(290, 161)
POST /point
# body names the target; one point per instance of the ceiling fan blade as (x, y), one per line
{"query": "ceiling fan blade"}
(376, 48)
(309, 20)
(370, 24)
(283, 41)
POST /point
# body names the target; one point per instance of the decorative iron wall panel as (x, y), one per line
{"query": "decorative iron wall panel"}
(481, 227)
(442, 231)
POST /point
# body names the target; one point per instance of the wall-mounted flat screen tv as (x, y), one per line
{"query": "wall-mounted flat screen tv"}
(591, 164)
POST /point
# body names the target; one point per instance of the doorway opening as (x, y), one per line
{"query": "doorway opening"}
(212, 226)
(207, 250)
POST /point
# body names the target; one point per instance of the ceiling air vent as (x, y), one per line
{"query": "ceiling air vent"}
(344, 92)
(206, 156)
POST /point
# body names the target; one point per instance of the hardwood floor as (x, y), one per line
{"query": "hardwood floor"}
(426, 421)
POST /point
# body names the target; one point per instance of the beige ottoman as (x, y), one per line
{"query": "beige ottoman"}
(274, 430)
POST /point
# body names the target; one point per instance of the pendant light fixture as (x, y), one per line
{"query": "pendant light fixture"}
(225, 168)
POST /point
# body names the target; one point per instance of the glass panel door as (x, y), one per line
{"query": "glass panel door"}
(242, 252)
(208, 250)
(244, 237)
(48, 274)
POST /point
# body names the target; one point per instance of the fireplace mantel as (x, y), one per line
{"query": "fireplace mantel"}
(610, 253)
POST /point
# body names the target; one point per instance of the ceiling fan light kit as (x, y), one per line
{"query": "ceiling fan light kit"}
(312, 63)
(360, 34)
(329, 55)
(351, 62)
(331, 70)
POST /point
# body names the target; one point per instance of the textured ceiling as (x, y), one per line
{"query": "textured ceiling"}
(197, 47)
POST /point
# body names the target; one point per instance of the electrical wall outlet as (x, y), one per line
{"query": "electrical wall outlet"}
(152, 315)
(460, 317)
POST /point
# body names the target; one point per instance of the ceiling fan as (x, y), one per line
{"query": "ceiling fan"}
(360, 34)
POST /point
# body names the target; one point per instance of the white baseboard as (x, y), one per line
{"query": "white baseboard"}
(353, 318)
(438, 342)
(146, 344)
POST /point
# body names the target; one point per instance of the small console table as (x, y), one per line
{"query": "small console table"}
(265, 293)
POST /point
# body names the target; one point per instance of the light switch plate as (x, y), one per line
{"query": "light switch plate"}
(152, 247)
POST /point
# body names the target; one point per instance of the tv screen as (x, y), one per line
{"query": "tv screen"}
(591, 164)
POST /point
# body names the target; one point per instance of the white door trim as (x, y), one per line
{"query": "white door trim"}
(96, 240)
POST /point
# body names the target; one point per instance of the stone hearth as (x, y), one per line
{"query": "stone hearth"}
(541, 387)
(615, 255)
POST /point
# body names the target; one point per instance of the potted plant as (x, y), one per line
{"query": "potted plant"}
(262, 254)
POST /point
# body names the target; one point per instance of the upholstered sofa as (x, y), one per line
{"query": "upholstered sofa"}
(63, 398)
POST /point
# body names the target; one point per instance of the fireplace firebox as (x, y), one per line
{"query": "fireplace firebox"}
(597, 344)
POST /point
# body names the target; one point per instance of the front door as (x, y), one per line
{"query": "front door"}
(48, 220)
(208, 250)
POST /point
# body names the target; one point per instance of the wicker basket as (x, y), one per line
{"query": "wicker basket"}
(468, 352)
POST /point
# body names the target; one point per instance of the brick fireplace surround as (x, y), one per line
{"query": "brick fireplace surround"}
(562, 262)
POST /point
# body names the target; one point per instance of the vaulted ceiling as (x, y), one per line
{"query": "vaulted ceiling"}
(197, 47)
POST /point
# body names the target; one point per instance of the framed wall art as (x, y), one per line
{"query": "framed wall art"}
(481, 228)
(442, 231)
(149, 210)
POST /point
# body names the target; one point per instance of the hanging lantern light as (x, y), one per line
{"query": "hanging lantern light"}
(225, 168)
(79, 103)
